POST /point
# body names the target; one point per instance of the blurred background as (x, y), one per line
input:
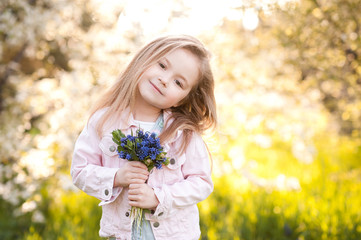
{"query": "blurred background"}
(286, 152)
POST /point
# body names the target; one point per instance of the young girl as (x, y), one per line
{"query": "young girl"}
(168, 89)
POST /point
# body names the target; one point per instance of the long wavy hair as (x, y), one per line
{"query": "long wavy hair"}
(195, 113)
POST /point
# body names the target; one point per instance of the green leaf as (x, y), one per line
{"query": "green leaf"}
(117, 136)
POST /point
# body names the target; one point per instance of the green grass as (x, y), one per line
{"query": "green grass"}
(326, 207)
(72, 216)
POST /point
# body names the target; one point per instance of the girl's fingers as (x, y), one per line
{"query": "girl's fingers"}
(131, 172)
(140, 171)
(138, 176)
(134, 193)
(137, 180)
(134, 186)
(141, 195)
(134, 197)
(138, 165)
(134, 204)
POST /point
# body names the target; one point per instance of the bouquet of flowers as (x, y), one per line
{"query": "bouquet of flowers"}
(143, 147)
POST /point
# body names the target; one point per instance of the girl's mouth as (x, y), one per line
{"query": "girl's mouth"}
(156, 88)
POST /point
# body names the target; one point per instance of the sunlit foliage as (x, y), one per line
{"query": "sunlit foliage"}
(322, 39)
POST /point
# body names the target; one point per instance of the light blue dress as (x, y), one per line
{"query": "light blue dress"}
(145, 232)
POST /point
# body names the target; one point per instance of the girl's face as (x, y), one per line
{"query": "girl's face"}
(169, 80)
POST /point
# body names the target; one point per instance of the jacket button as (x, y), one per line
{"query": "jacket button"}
(106, 192)
(156, 224)
(160, 214)
(172, 161)
(127, 214)
(112, 148)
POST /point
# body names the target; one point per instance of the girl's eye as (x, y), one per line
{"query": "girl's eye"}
(178, 83)
(162, 65)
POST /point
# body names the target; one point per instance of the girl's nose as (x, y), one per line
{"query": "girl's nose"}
(163, 80)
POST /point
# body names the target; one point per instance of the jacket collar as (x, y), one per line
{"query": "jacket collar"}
(127, 121)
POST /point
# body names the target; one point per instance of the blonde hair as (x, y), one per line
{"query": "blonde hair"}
(195, 113)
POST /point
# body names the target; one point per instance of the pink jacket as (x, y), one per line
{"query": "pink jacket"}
(178, 186)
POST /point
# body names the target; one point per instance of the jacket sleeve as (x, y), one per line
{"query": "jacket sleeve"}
(87, 170)
(196, 186)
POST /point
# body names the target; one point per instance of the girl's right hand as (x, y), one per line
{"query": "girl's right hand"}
(131, 172)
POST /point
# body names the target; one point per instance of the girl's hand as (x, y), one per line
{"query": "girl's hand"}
(131, 172)
(142, 195)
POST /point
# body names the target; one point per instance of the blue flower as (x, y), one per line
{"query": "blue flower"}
(153, 153)
(145, 150)
(122, 154)
(157, 145)
(152, 141)
(140, 133)
(130, 138)
(144, 147)
(158, 165)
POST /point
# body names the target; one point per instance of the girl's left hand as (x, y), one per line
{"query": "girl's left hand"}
(142, 195)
